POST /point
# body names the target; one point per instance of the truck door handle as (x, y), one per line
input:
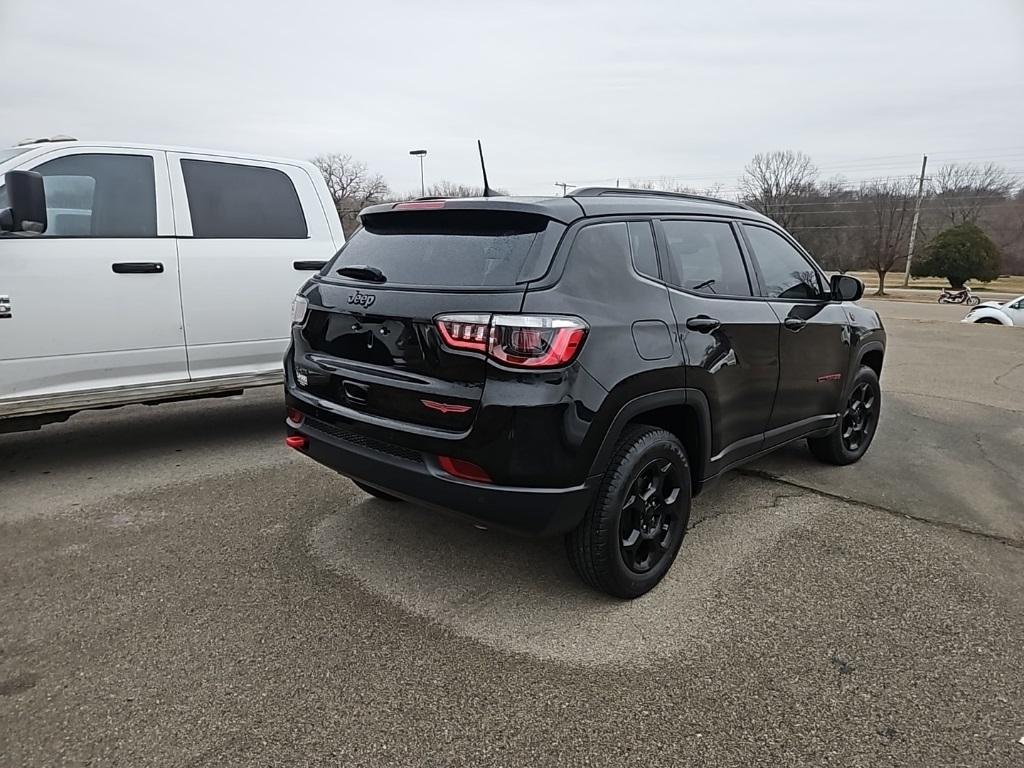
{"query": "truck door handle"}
(703, 324)
(308, 266)
(794, 323)
(137, 267)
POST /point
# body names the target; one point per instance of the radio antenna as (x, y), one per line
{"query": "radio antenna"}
(488, 192)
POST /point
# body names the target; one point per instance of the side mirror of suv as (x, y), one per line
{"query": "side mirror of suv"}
(27, 203)
(846, 288)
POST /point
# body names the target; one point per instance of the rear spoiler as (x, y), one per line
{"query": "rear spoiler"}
(561, 209)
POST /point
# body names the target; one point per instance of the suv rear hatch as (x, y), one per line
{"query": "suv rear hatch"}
(370, 341)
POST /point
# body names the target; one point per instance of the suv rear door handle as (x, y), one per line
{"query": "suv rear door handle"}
(308, 266)
(794, 323)
(703, 324)
(137, 267)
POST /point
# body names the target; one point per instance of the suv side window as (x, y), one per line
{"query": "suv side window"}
(97, 195)
(641, 245)
(228, 200)
(705, 258)
(787, 274)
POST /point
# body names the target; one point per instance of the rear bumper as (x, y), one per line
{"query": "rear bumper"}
(416, 477)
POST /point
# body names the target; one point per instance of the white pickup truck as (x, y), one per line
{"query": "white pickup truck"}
(162, 273)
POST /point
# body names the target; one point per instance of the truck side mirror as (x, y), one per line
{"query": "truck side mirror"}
(846, 288)
(26, 199)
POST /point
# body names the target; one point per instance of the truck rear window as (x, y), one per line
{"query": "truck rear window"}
(461, 248)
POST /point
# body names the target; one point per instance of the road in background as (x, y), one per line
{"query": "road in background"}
(179, 588)
(951, 447)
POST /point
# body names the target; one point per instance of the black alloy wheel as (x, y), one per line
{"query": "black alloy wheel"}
(650, 515)
(860, 417)
(858, 422)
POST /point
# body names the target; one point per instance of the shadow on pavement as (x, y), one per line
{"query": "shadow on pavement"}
(100, 439)
(521, 595)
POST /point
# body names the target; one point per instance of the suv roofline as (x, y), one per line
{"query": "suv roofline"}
(589, 203)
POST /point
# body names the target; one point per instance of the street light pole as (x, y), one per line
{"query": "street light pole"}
(420, 153)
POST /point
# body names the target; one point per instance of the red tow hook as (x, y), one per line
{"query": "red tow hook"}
(299, 442)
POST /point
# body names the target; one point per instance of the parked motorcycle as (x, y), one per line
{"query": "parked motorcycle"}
(963, 296)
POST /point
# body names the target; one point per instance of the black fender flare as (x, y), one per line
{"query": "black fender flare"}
(857, 360)
(874, 345)
(686, 396)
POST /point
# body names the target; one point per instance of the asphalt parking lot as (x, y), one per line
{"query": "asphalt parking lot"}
(178, 588)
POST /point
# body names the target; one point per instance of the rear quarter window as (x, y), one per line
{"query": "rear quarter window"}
(461, 248)
(228, 200)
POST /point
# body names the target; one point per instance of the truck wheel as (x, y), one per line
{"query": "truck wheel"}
(631, 534)
(857, 424)
(375, 492)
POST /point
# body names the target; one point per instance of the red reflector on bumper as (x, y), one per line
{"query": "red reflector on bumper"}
(465, 470)
(296, 441)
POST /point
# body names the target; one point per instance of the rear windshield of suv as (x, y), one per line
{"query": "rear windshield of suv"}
(459, 248)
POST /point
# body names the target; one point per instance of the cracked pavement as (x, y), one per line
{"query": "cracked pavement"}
(178, 589)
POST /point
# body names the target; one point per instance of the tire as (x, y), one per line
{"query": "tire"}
(655, 522)
(857, 426)
(988, 321)
(376, 492)
(974, 301)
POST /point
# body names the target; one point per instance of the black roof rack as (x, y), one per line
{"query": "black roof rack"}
(627, 192)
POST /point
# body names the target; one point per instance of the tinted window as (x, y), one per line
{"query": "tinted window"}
(787, 274)
(241, 201)
(99, 196)
(598, 245)
(706, 258)
(444, 248)
(641, 244)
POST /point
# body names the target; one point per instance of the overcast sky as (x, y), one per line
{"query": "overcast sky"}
(575, 91)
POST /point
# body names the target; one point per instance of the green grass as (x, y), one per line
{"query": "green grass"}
(894, 280)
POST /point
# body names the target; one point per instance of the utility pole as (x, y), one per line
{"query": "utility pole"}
(564, 185)
(917, 217)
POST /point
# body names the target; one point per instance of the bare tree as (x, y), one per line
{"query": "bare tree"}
(446, 188)
(1004, 223)
(351, 185)
(886, 210)
(664, 184)
(964, 190)
(825, 227)
(773, 182)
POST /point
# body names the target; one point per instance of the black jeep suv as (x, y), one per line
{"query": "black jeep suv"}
(580, 365)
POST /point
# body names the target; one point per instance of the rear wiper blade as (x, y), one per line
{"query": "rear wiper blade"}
(363, 272)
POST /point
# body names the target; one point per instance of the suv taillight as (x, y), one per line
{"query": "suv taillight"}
(517, 341)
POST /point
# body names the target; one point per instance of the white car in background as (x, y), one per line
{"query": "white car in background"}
(1008, 313)
(160, 273)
